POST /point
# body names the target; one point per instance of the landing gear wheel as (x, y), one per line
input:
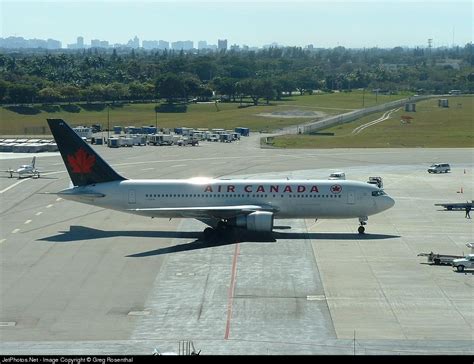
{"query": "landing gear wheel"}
(361, 230)
(460, 268)
(208, 233)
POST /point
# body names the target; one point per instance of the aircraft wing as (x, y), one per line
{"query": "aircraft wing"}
(11, 172)
(218, 212)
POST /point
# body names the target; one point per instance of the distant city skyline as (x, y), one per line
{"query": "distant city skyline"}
(14, 42)
(352, 24)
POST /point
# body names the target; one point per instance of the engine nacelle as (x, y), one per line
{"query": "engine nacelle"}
(256, 221)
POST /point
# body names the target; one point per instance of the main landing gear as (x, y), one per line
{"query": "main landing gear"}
(363, 221)
(210, 233)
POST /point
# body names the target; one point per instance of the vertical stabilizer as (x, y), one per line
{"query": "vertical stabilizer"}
(83, 164)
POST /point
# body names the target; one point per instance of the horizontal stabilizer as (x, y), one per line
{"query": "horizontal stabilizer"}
(80, 193)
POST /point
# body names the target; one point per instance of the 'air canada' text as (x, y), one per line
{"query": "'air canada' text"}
(262, 189)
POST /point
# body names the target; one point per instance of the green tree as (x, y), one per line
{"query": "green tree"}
(225, 86)
(171, 87)
(19, 93)
(3, 89)
(49, 94)
(116, 91)
(141, 91)
(70, 92)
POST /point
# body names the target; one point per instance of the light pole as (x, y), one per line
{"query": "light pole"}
(108, 122)
(156, 120)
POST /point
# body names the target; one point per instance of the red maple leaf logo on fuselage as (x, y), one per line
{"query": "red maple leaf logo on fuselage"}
(81, 162)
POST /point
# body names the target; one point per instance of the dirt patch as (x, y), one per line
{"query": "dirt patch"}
(294, 114)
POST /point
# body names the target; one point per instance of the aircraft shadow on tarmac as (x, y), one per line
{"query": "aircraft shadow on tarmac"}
(28, 177)
(77, 233)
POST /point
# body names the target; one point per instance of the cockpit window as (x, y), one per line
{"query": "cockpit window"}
(378, 193)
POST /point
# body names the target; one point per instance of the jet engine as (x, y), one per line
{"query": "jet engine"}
(256, 221)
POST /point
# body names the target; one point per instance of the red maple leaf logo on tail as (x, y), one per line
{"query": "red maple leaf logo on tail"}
(81, 162)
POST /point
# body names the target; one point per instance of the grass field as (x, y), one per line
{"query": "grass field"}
(431, 126)
(32, 120)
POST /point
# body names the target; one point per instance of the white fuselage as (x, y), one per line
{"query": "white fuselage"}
(26, 169)
(330, 199)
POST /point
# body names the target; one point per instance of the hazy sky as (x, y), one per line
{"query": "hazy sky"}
(348, 23)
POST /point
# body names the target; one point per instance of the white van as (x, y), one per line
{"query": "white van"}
(439, 168)
(337, 175)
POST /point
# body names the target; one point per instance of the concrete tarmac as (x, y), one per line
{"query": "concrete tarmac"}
(77, 279)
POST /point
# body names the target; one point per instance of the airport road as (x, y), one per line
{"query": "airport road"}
(78, 279)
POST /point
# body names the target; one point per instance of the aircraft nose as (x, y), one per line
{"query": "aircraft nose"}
(387, 202)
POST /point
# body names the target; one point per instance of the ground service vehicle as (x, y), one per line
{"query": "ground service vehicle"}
(337, 175)
(439, 259)
(439, 168)
(462, 263)
(456, 205)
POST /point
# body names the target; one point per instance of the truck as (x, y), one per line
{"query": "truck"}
(464, 262)
(439, 259)
(225, 138)
(160, 139)
(214, 137)
(188, 141)
(113, 143)
(456, 205)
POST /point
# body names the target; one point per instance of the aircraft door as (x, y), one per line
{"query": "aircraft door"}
(131, 197)
(351, 197)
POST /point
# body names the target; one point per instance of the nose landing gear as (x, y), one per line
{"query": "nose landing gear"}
(363, 221)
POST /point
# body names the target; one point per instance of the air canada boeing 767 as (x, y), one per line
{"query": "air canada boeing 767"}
(219, 203)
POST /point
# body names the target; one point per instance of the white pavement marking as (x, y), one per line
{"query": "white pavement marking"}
(178, 165)
(15, 231)
(27, 179)
(147, 169)
(13, 185)
(2, 241)
(27, 222)
(59, 199)
(138, 313)
(38, 213)
(7, 323)
(50, 205)
(316, 298)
